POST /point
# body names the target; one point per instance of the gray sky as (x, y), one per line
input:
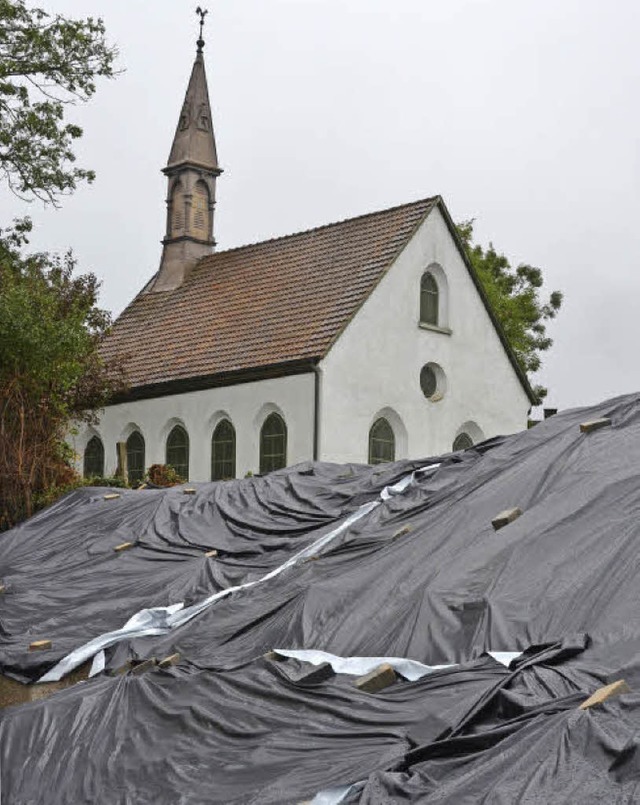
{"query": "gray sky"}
(522, 115)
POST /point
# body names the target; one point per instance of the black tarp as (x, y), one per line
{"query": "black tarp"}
(424, 575)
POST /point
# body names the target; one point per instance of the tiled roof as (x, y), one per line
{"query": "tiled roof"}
(282, 300)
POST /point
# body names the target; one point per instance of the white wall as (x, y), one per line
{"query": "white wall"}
(375, 365)
(246, 405)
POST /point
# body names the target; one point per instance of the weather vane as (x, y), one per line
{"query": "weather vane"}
(202, 14)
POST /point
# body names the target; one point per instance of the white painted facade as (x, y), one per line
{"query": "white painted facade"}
(246, 405)
(372, 370)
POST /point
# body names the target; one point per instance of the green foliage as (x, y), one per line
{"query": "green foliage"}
(50, 371)
(47, 62)
(163, 475)
(515, 296)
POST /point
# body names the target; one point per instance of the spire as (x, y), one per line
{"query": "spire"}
(194, 140)
(191, 171)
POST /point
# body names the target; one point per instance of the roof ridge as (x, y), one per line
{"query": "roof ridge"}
(373, 214)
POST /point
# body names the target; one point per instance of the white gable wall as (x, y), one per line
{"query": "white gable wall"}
(374, 367)
(247, 405)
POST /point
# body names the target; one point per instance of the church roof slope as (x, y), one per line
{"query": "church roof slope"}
(267, 303)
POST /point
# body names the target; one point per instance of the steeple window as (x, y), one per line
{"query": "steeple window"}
(200, 212)
(177, 211)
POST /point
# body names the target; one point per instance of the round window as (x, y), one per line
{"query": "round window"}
(433, 382)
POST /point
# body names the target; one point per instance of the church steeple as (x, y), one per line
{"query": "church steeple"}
(191, 171)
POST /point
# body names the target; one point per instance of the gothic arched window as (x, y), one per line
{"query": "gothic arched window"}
(200, 211)
(429, 299)
(177, 211)
(273, 444)
(135, 457)
(94, 458)
(223, 452)
(382, 442)
(177, 454)
(462, 442)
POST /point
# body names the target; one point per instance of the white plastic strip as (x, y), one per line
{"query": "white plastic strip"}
(334, 796)
(409, 669)
(161, 620)
(505, 657)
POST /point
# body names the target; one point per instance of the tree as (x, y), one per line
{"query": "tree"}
(47, 62)
(515, 296)
(50, 370)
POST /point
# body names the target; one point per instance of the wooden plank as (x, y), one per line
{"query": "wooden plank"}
(189, 491)
(506, 517)
(211, 554)
(172, 659)
(40, 645)
(124, 546)
(143, 667)
(595, 424)
(607, 692)
(111, 496)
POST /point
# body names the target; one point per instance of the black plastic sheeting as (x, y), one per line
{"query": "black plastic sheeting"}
(424, 575)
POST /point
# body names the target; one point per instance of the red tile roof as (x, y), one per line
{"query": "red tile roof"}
(282, 301)
(285, 299)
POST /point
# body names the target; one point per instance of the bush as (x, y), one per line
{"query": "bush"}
(163, 475)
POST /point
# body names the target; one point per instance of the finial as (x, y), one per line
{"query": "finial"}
(203, 14)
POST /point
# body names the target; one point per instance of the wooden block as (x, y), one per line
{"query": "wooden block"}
(594, 424)
(378, 679)
(607, 692)
(506, 517)
(143, 667)
(111, 495)
(172, 659)
(40, 645)
(189, 491)
(401, 532)
(211, 554)
(314, 674)
(124, 546)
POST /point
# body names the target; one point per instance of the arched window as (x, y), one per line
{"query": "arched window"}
(223, 452)
(382, 442)
(177, 211)
(135, 457)
(429, 299)
(273, 444)
(200, 211)
(94, 458)
(178, 451)
(462, 442)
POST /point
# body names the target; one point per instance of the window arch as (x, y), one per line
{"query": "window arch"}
(135, 457)
(200, 211)
(177, 211)
(223, 451)
(382, 442)
(462, 442)
(93, 458)
(273, 444)
(429, 299)
(177, 453)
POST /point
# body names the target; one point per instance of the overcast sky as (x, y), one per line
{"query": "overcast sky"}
(523, 116)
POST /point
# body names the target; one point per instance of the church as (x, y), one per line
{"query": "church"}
(365, 340)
